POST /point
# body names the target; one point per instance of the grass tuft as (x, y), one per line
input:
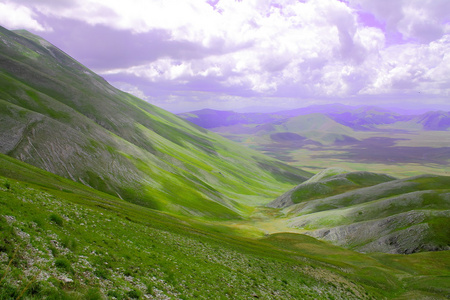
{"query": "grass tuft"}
(58, 220)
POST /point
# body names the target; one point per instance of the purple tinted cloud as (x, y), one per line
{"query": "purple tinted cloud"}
(101, 47)
(321, 49)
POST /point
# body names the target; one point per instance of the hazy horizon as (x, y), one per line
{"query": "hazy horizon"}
(411, 110)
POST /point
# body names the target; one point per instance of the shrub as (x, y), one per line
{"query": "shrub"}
(134, 294)
(64, 264)
(57, 219)
(35, 288)
(8, 291)
(115, 294)
(93, 294)
(69, 243)
(7, 184)
(102, 273)
(54, 251)
(39, 222)
(56, 294)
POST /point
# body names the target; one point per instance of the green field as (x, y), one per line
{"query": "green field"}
(407, 154)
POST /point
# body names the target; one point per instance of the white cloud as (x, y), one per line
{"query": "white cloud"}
(422, 20)
(275, 43)
(313, 48)
(410, 68)
(15, 16)
(131, 89)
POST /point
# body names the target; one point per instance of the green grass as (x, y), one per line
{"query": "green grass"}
(109, 247)
(160, 254)
(383, 190)
(327, 183)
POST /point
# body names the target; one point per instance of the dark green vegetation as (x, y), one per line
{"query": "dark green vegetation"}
(58, 115)
(107, 247)
(329, 182)
(372, 212)
(353, 138)
(139, 203)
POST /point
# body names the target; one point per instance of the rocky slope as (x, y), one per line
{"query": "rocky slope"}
(387, 215)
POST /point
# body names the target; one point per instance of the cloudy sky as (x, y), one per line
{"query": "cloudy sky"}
(254, 54)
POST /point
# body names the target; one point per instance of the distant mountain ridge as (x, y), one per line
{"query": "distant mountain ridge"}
(209, 118)
(434, 120)
(355, 117)
(320, 136)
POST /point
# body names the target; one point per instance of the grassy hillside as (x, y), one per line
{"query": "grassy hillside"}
(395, 216)
(327, 183)
(312, 128)
(62, 240)
(59, 116)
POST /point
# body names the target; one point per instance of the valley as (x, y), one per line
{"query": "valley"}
(105, 196)
(67, 241)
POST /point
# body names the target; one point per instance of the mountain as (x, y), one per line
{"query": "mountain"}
(60, 116)
(210, 118)
(430, 121)
(316, 109)
(336, 121)
(356, 117)
(372, 212)
(358, 138)
(313, 128)
(435, 120)
(365, 117)
(318, 127)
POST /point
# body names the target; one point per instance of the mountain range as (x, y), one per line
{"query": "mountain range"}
(104, 195)
(355, 117)
(364, 138)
